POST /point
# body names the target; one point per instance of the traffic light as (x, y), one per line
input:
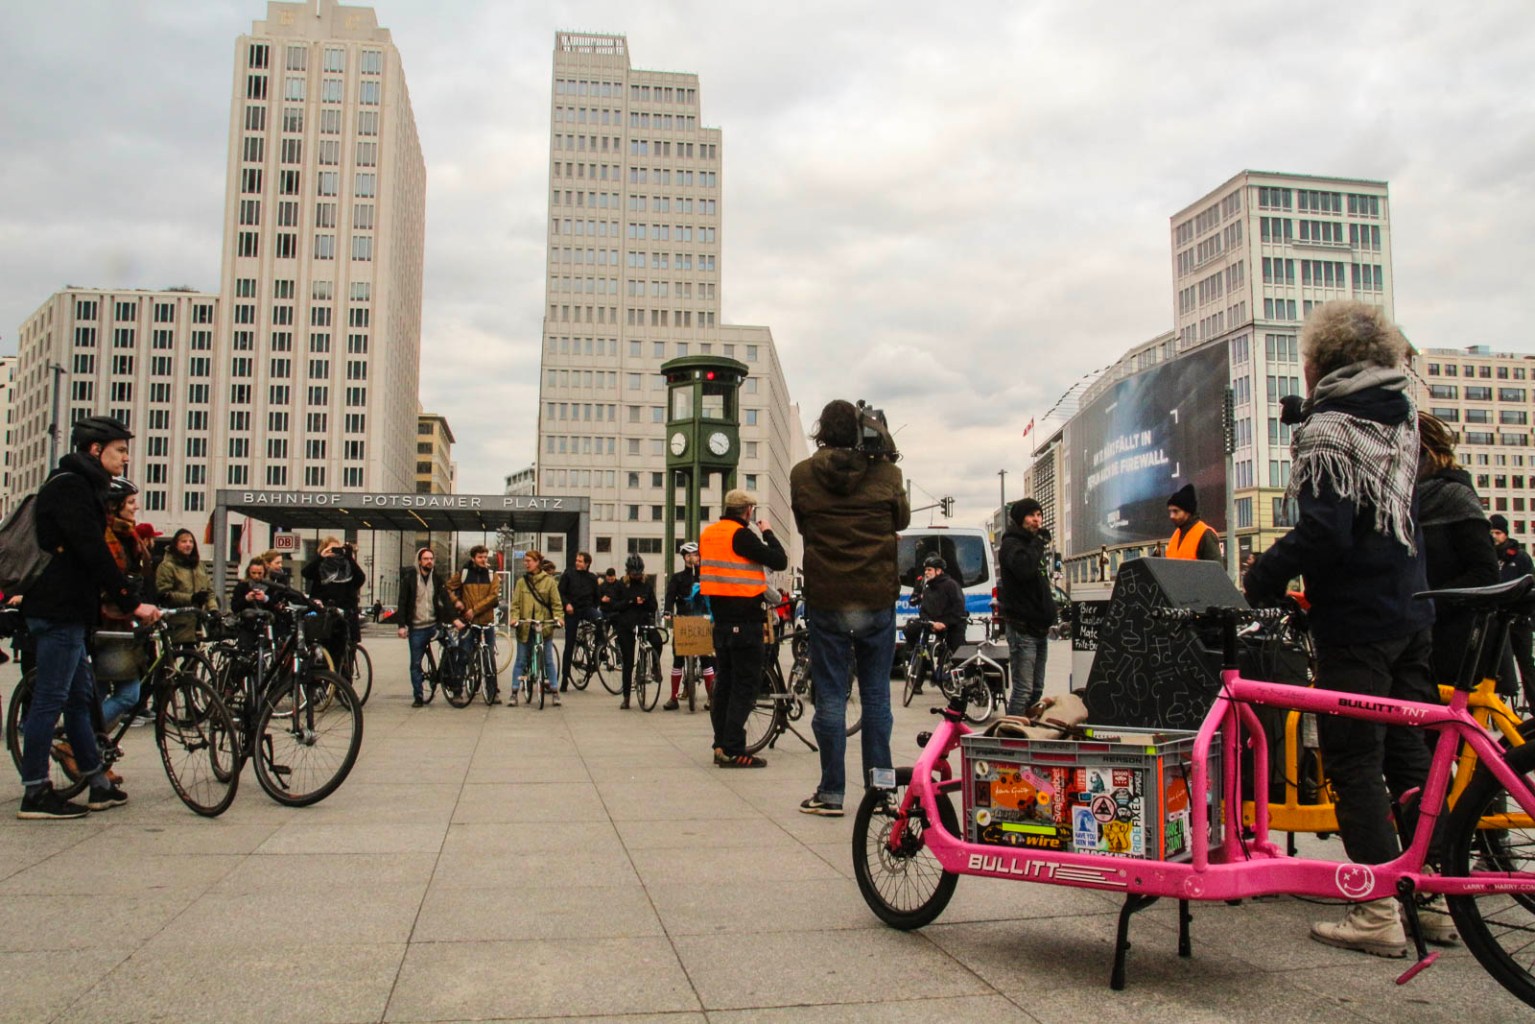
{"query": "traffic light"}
(946, 506)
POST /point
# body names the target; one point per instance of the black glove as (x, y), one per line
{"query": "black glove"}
(1290, 406)
(200, 597)
(1044, 534)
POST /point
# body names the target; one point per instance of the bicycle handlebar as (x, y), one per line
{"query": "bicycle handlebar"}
(1218, 614)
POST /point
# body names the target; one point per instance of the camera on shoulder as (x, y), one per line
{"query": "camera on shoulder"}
(874, 437)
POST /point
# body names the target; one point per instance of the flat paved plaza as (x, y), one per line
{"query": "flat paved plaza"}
(586, 863)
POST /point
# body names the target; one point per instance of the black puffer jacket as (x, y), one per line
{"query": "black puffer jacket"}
(848, 508)
(1028, 603)
(1458, 555)
(72, 525)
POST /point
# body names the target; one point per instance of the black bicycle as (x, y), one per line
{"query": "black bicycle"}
(589, 657)
(782, 702)
(472, 664)
(194, 731)
(301, 725)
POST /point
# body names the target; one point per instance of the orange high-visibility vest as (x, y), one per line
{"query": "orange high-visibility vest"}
(1188, 545)
(722, 572)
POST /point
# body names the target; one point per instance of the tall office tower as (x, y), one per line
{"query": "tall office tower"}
(146, 358)
(7, 432)
(1488, 399)
(633, 279)
(320, 327)
(1249, 261)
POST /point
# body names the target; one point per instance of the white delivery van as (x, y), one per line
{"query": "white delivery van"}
(970, 559)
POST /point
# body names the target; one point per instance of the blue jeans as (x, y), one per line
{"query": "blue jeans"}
(1026, 664)
(125, 696)
(841, 642)
(420, 640)
(63, 683)
(525, 658)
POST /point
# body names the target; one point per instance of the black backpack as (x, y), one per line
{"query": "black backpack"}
(22, 558)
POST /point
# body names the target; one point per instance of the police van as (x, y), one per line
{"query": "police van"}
(970, 559)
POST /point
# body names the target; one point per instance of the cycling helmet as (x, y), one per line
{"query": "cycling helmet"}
(690, 548)
(119, 488)
(634, 564)
(935, 562)
(99, 430)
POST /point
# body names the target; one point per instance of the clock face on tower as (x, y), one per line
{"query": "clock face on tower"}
(719, 443)
(679, 443)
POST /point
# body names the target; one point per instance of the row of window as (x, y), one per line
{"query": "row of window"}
(369, 62)
(1507, 417)
(1484, 371)
(1475, 393)
(293, 124)
(248, 245)
(319, 291)
(127, 311)
(615, 90)
(327, 152)
(1307, 200)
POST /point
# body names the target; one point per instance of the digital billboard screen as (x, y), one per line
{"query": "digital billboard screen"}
(1140, 441)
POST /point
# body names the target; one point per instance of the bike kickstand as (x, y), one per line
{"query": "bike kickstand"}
(1134, 902)
(788, 726)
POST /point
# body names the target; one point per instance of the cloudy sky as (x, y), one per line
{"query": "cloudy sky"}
(953, 211)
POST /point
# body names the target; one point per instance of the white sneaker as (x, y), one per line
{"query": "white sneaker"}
(1374, 927)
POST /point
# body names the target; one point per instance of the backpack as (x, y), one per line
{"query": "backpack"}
(22, 558)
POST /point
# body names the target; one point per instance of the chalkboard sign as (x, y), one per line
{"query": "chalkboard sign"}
(1087, 617)
(1149, 673)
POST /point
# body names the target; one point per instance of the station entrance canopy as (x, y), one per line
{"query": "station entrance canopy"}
(342, 512)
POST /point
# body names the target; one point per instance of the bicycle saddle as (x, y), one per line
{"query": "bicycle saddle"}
(1499, 595)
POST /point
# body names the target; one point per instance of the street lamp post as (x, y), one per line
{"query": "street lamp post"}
(1002, 486)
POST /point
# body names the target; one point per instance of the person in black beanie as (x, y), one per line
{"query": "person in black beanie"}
(1514, 562)
(1027, 601)
(1191, 538)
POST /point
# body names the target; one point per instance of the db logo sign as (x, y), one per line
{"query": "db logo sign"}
(284, 542)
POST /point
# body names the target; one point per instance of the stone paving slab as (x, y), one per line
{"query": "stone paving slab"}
(584, 863)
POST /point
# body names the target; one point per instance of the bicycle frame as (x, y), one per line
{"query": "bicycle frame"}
(1234, 867)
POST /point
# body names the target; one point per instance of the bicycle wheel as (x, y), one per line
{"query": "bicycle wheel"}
(690, 682)
(1491, 839)
(772, 700)
(905, 887)
(610, 663)
(584, 659)
(362, 673)
(199, 745)
(487, 660)
(855, 705)
(66, 782)
(535, 683)
(430, 675)
(647, 675)
(916, 671)
(506, 648)
(977, 696)
(303, 754)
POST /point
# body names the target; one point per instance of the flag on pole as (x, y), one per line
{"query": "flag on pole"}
(1029, 427)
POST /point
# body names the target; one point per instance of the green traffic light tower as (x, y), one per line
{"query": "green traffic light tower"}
(703, 436)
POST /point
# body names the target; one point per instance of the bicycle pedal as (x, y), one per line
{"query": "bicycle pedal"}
(282, 771)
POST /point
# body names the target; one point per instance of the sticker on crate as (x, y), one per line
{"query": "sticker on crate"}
(1107, 813)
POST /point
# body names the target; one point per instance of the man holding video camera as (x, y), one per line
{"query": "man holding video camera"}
(849, 501)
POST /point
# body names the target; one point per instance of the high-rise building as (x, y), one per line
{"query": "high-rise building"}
(148, 359)
(1488, 399)
(1249, 261)
(7, 391)
(633, 280)
(320, 328)
(434, 454)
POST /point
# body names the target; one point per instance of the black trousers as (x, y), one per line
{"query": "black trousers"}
(1370, 765)
(738, 652)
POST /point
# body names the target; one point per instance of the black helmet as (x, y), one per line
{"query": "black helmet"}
(935, 562)
(119, 488)
(99, 430)
(634, 564)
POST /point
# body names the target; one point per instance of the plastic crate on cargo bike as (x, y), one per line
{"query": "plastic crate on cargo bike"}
(1159, 815)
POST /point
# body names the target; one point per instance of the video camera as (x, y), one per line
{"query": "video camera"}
(874, 437)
